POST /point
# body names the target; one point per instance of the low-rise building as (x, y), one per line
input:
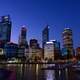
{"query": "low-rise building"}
(11, 50)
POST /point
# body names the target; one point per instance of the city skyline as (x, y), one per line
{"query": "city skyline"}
(36, 14)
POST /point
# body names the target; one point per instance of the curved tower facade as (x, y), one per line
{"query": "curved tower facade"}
(68, 39)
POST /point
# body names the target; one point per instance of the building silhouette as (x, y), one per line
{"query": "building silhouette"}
(35, 52)
(22, 44)
(22, 37)
(68, 40)
(11, 50)
(45, 37)
(34, 43)
(52, 50)
(5, 30)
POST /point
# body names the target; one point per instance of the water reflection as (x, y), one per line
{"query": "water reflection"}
(34, 72)
(49, 75)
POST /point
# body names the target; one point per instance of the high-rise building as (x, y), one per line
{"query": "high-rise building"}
(5, 30)
(52, 50)
(22, 38)
(64, 53)
(45, 35)
(68, 40)
(22, 42)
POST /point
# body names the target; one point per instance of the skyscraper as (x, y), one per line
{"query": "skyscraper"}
(45, 35)
(22, 42)
(5, 29)
(22, 38)
(68, 40)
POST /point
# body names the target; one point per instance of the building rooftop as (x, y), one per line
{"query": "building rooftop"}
(49, 42)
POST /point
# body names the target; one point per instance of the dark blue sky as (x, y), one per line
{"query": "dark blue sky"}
(35, 14)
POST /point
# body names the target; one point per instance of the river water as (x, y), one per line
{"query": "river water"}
(34, 72)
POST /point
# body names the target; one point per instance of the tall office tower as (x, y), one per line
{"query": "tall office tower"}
(22, 38)
(5, 30)
(67, 40)
(22, 42)
(45, 35)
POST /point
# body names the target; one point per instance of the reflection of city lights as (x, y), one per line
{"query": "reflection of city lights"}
(59, 72)
(37, 69)
(50, 75)
(1, 51)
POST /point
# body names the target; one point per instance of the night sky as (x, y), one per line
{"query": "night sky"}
(35, 14)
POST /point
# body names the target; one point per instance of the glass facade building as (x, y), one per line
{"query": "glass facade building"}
(22, 38)
(68, 40)
(5, 29)
(22, 45)
(45, 35)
